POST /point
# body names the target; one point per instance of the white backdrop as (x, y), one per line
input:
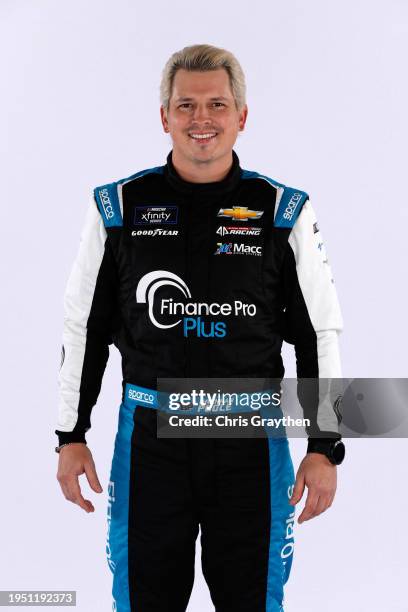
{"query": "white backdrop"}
(327, 97)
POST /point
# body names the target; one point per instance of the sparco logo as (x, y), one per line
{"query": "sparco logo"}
(292, 206)
(106, 203)
(155, 232)
(190, 312)
(141, 396)
(111, 500)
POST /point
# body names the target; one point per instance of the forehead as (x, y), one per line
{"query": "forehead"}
(212, 83)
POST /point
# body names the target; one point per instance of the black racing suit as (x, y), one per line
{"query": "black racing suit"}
(251, 248)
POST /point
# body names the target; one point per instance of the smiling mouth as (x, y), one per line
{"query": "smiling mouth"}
(203, 137)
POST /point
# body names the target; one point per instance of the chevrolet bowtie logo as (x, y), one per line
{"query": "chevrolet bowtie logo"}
(240, 213)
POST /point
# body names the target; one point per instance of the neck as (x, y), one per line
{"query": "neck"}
(202, 172)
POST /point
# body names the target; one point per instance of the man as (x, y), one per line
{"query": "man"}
(202, 231)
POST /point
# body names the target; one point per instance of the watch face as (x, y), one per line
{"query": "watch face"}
(338, 452)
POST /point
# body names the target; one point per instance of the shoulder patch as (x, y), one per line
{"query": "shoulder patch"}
(290, 203)
(107, 200)
(107, 197)
(290, 206)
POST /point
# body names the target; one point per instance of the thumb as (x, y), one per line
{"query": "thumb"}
(92, 477)
(297, 490)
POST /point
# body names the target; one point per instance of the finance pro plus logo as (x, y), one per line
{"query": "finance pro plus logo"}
(187, 313)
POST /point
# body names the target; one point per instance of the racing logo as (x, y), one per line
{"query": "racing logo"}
(148, 215)
(240, 213)
(225, 230)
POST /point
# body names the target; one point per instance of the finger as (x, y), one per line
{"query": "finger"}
(331, 499)
(92, 477)
(75, 495)
(323, 504)
(298, 489)
(310, 506)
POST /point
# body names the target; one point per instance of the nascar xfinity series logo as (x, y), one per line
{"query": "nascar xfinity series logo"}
(240, 213)
(186, 313)
(229, 248)
(148, 215)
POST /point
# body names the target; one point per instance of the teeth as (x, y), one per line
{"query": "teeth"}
(201, 136)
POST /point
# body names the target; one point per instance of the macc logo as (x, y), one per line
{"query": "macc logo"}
(292, 206)
(106, 203)
(237, 249)
(224, 248)
(187, 313)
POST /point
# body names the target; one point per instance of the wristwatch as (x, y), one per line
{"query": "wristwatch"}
(334, 450)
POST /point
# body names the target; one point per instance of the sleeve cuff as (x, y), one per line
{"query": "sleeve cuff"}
(70, 436)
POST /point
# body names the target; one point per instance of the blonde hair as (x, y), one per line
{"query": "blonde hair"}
(203, 58)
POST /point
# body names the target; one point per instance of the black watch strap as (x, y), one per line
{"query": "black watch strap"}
(333, 448)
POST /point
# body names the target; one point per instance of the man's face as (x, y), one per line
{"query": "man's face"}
(202, 103)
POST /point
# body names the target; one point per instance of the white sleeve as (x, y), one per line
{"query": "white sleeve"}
(88, 310)
(313, 316)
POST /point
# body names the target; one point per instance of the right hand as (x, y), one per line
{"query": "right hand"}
(75, 459)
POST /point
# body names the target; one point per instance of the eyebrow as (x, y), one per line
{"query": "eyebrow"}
(186, 99)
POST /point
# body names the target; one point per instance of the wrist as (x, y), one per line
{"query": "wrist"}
(59, 448)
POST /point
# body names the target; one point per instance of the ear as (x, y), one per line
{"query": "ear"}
(243, 117)
(163, 115)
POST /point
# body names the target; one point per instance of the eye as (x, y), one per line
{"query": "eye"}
(220, 103)
(185, 104)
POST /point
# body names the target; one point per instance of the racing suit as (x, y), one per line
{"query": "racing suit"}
(251, 249)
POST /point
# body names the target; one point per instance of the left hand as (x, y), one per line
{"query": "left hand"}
(320, 477)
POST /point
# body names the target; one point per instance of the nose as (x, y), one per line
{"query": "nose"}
(201, 113)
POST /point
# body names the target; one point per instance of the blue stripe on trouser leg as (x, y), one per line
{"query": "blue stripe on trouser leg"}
(281, 541)
(118, 511)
